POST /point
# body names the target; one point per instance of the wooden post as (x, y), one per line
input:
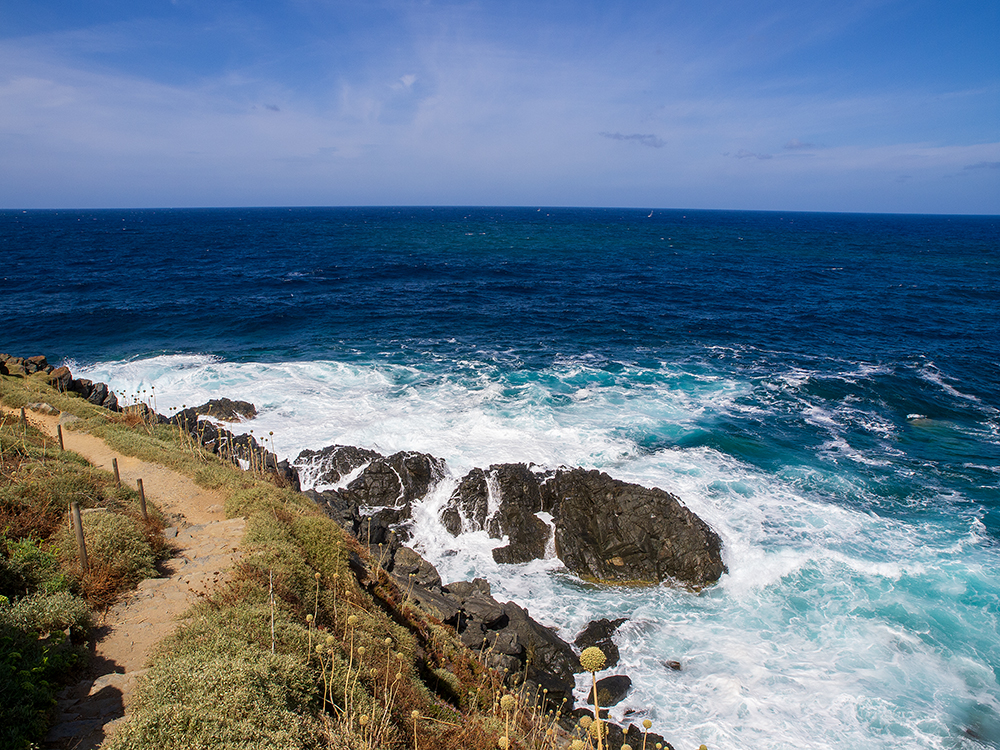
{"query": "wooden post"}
(62, 447)
(114, 465)
(142, 500)
(78, 523)
(24, 418)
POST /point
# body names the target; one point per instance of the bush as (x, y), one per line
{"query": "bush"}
(253, 700)
(116, 544)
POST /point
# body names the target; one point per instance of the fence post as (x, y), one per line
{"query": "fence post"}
(142, 500)
(78, 523)
(114, 465)
(62, 447)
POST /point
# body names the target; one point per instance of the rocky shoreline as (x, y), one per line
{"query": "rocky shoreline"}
(603, 529)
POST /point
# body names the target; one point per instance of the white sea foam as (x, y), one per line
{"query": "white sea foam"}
(835, 626)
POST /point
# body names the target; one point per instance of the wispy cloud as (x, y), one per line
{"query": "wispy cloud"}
(744, 154)
(796, 145)
(984, 165)
(645, 139)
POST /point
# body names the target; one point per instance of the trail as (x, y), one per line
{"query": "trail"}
(204, 544)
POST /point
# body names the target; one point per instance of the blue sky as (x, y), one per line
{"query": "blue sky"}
(855, 105)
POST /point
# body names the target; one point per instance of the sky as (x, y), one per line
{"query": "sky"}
(804, 105)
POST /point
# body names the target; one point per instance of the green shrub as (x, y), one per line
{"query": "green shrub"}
(115, 543)
(26, 568)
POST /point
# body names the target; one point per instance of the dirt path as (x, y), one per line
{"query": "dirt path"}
(205, 545)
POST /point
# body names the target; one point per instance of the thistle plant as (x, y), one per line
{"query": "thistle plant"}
(646, 725)
(593, 660)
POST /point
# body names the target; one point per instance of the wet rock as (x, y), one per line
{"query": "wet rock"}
(503, 500)
(598, 633)
(674, 665)
(410, 566)
(611, 690)
(330, 465)
(60, 378)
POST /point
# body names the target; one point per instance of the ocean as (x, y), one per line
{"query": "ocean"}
(821, 388)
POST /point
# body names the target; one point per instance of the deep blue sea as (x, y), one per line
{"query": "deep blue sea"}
(823, 389)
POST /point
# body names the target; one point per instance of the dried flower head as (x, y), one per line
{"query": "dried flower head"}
(352, 620)
(503, 743)
(598, 729)
(646, 723)
(317, 574)
(626, 746)
(414, 714)
(576, 745)
(361, 650)
(309, 618)
(585, 722)
(593, 659)
(388, 641)
(363, 721)
(507, 703)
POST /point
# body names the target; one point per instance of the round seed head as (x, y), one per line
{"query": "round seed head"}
(593, 659)
(388, 641)
(585, 722)
(507, 703)
(626, 746)
(352, 620)
(399, 675)
(363, 721)
(319, 648)
(415, 714)
(646, 723)
(309, 618)
(576, 745)
(331, 640)
(503, 743)
(702, 747)
(317, 575)
(598, 729)
(361, 650)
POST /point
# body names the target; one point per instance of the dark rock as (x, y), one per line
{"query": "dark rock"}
(333, 463)
(101, 395)
(227, 410)
(549, 660)
(611, 530)
(598, 633)
(674, 665)
(611, 690)
(516, 498)
(636, 736)
(410, 566)
(616, 736)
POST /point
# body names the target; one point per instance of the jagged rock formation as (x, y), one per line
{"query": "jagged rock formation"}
(598, 633)
(604, 528)
(60, 378)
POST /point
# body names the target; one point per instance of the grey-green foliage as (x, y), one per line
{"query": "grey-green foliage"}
(47, 613)
(256, 700)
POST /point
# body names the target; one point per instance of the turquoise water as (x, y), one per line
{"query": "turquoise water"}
(822, 389)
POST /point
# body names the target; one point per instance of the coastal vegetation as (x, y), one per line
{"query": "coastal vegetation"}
(308, 643)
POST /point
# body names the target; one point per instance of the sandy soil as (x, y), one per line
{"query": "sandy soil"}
(204, 544)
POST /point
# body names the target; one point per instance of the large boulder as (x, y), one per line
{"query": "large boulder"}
(609, 530)
(328, 466)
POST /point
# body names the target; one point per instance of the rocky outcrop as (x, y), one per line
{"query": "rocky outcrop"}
(505, 500)
(60, 378)
(376, 504)
(605, 529)
(611, 530)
